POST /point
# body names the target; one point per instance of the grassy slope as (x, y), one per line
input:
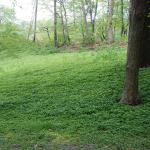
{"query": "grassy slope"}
(69, 101)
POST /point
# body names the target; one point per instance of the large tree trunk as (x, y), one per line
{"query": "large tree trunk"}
(145, 51)
(110, 36)
(55, 24)
(130, 94)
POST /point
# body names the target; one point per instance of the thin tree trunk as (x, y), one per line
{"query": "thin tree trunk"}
(63, 26)
(74, 14)
(82, 26)
(47, 31)
(130, 94)
(55, 24)
(35, 21)
(122, 18)
(66, 23)
(93, 14)
(48, 35)
(110, 21)
(85, 18)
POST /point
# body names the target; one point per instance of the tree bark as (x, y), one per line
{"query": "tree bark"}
(93, 13)
(66, 24)
(85, 18)
(46, 29)
(110, 36)
(74, 13)
(145, 50)
(130, 94)
(63, 25)
(122, 18)
(35, 21)
(55, 24)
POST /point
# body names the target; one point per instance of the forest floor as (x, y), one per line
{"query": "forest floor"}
(69, 101)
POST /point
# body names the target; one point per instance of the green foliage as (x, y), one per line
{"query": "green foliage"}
(101, 33)
(89, 39)
(15, 46)
(69, 101)
(75, 23)
(9, 30)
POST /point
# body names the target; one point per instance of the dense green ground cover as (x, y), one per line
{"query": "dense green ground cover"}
(70, 101)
